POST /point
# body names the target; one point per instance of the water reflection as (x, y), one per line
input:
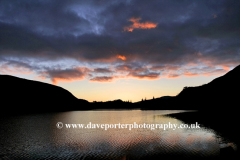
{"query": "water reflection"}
(37, 137)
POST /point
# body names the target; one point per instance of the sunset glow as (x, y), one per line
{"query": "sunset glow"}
(137, 25)
(119, 50)
(121, 57)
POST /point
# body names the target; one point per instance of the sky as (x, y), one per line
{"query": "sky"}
(102, 50)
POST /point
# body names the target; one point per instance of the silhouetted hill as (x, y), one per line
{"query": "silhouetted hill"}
(26, 96)
(23, 96)
(115, 104)
(217, 103)
(164, 102)
(221, 93)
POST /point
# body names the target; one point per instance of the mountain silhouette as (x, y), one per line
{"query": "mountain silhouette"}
(115, 104)
(218, 94)
(20, 95)
(217, 103)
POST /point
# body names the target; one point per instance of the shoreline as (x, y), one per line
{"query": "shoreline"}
(209, 120)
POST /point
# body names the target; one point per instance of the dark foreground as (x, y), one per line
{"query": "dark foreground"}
(37, 137)
(224, 125)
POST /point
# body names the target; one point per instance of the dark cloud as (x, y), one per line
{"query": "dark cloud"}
(102, 70)
(166, 67)
(137, 71)
(67, 75)
(180, 34)
(145, 75)
(102, 79)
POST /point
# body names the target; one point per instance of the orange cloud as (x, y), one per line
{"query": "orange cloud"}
(55, 81)
(226, 68)
(190, 74)
(137, 25)
(172, 76)
(215, 72)
(121, 57)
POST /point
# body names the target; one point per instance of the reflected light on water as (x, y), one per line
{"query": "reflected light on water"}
(37, 137)
(127, 142)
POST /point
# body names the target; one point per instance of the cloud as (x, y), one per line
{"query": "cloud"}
(121, 57)
(173, 76)
(194, 71)
(14, 69)
(102, 70)
(190, 74)
(137, 71)
(102, 79)
(168, 39)
(166, 67)
(66, 75)
(215, 72)
(63, 73)
(137, 25)
(145, 75)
